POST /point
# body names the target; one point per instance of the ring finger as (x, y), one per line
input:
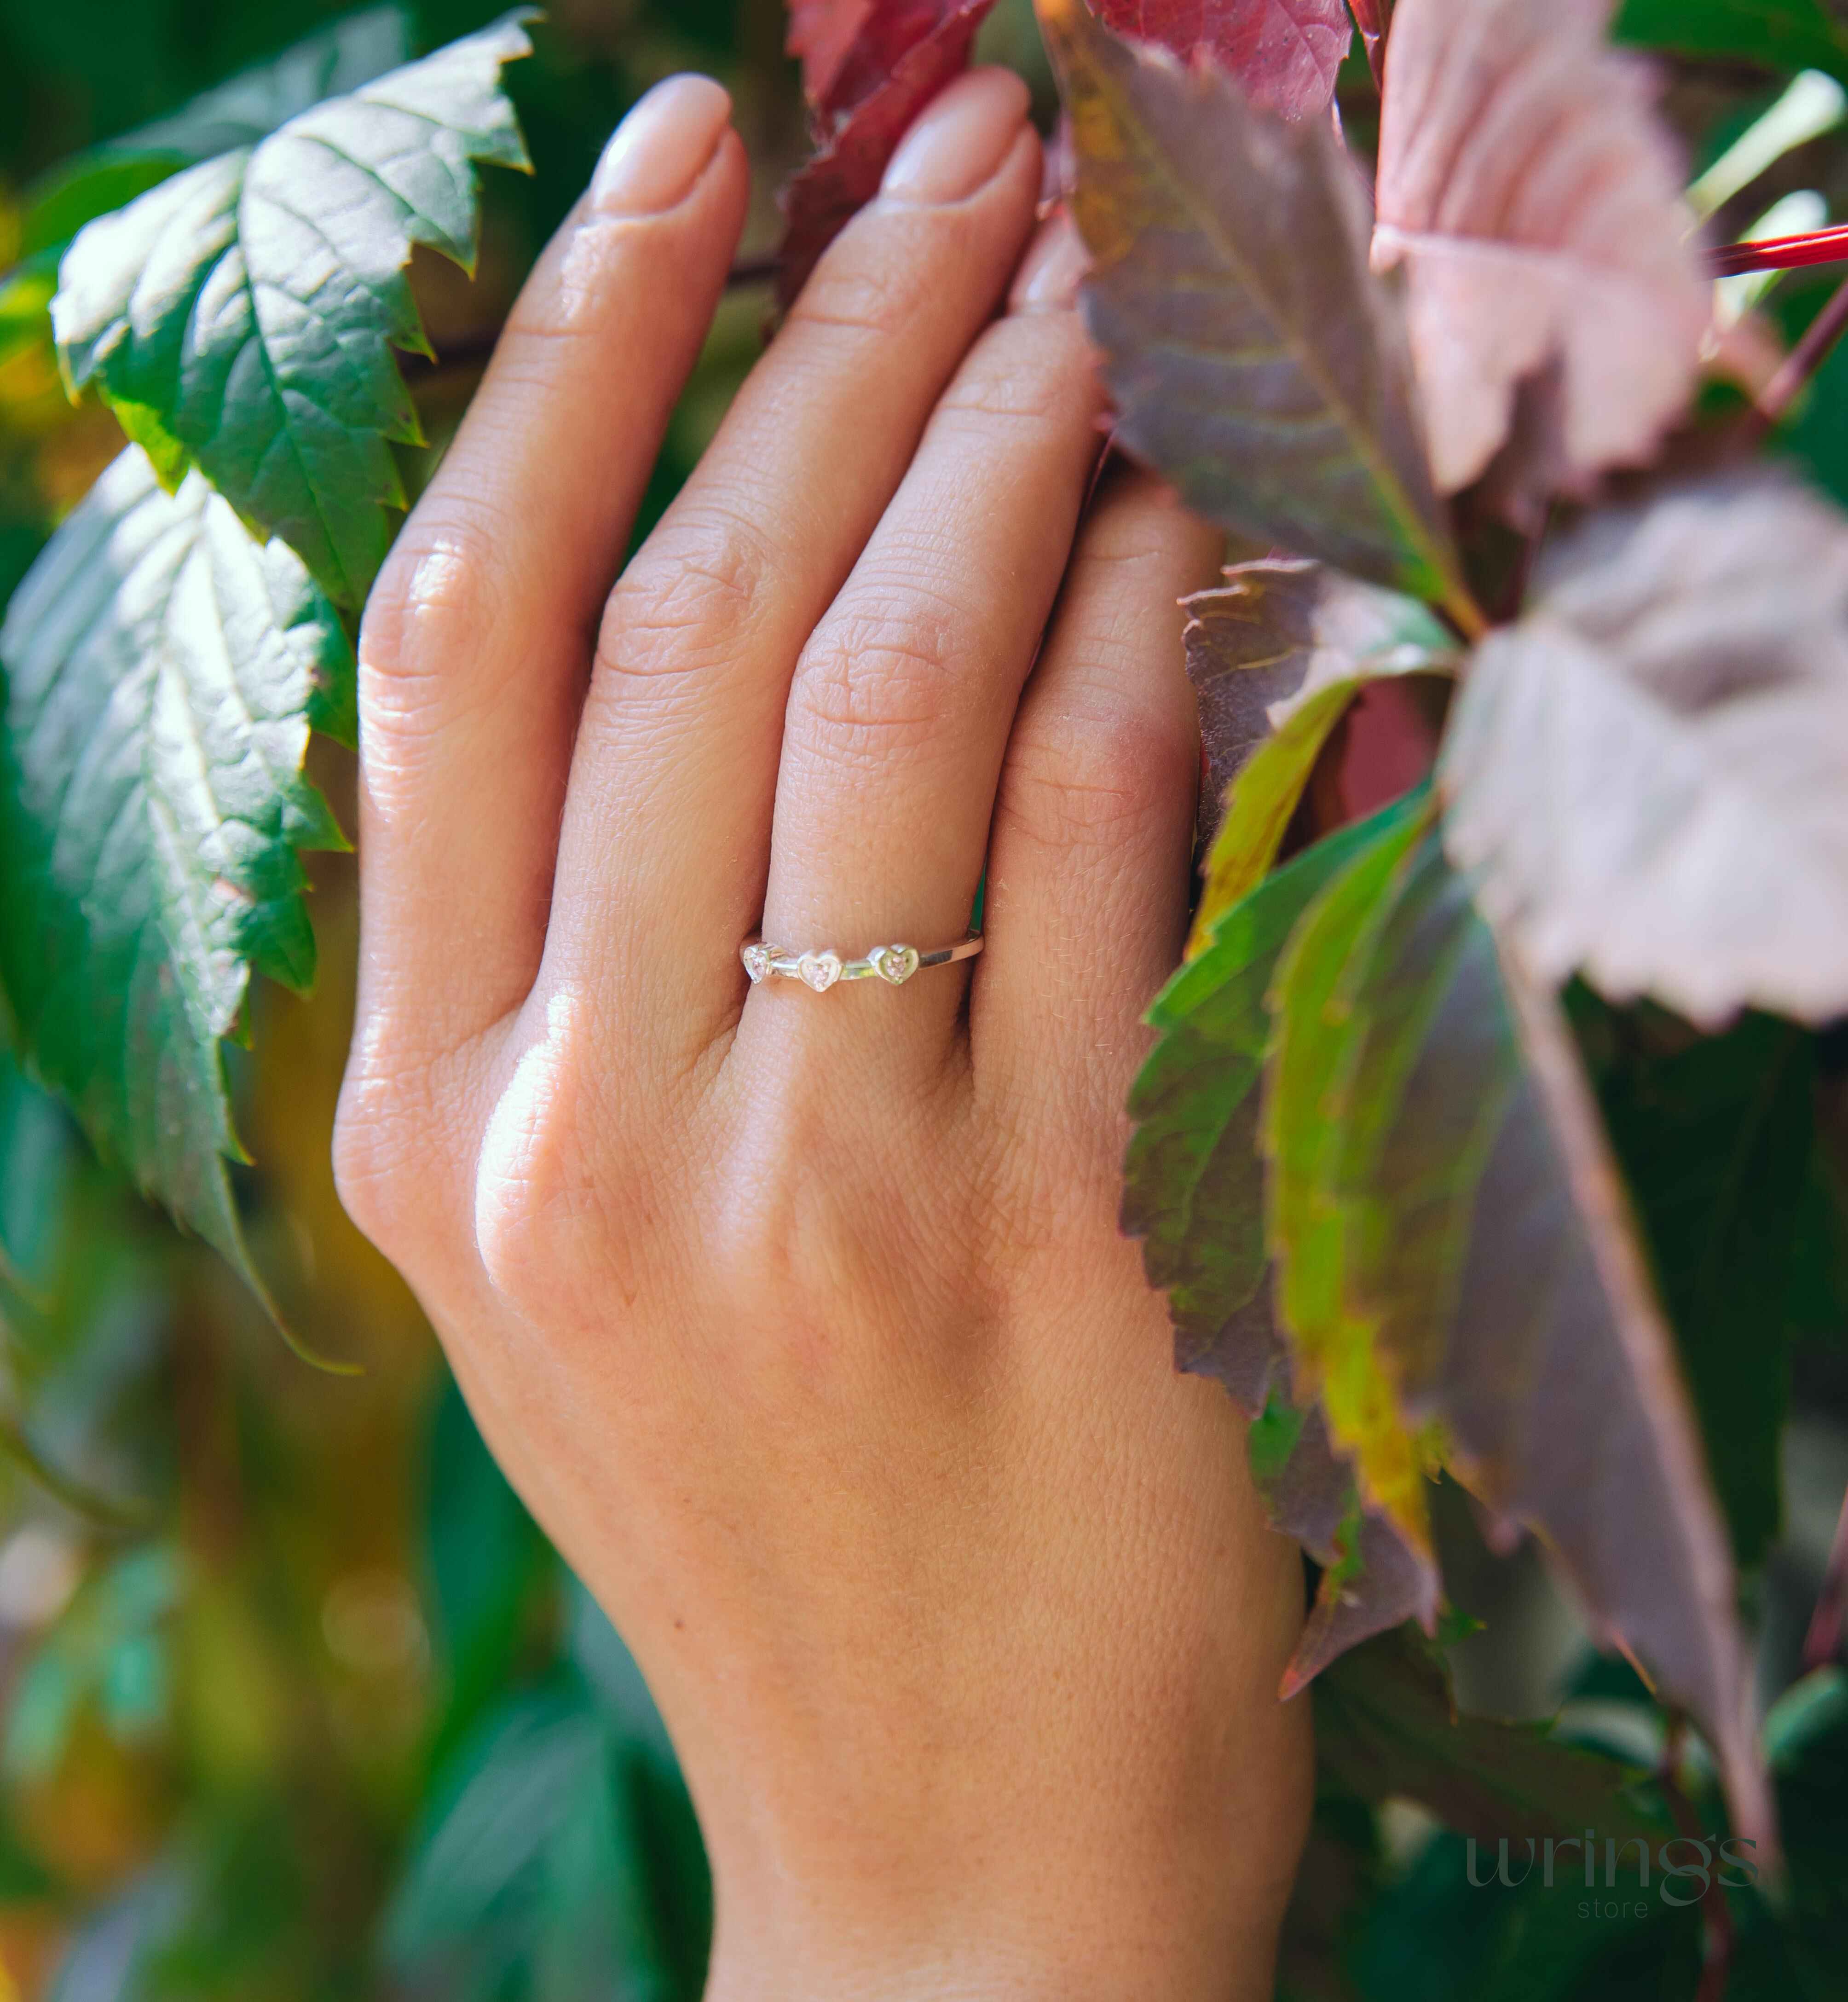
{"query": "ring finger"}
(899, 712)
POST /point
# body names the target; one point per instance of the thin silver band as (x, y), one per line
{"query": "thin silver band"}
(821, 969)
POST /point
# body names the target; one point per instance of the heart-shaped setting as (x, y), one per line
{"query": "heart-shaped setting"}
(757, 962)
(895, 962)
(820, 969)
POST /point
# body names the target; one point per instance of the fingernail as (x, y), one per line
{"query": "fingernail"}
(1052, 270)
(661, 148)
(960, 138)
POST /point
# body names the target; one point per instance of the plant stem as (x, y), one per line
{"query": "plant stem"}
(1823, 1642)
(1780, 253)
(473, 350)
(1464, 613)
(1717, 1934)
(1805, 358)
(1373, 18)
(750, 271)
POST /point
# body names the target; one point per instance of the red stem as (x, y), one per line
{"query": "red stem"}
(1718, 1936)
(1780, 253)
(1373, 18)
(1823, 1642)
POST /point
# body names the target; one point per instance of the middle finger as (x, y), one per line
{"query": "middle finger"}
(666, 833)
(901, 705)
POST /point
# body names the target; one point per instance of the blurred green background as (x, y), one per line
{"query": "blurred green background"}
(295, 1701)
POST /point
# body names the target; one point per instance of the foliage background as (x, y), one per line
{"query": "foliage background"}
(325, 1717)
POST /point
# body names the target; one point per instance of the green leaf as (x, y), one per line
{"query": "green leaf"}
(240, 317)
(1313, 1043)
(1488, 1241)
(1387, 1728)
(247, 107)
(485, 1557)
(1254, 359)
(1194, 1193)
(1194, 1186)
(1646, 772)
(1373, 1576)
(162, 667)
(532, 1872)
(237, 114)
(1716, 1141)
(1775, 34)
(1275, 656)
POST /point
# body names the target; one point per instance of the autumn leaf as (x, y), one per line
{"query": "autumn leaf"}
(1284, 54)
(1372, 1578)
(1194, 1188)
(869, 69)
(163, 668)
(1554, 297)
(1255, 360)
(1333, 1355)
(1488, 1247)
(1194, 1194)
(821, 32)
(240, 317)
(1276, 655)
(1645, 774)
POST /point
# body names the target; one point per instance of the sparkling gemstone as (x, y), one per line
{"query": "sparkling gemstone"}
(757, 962)
(820, 969)
(895, 962)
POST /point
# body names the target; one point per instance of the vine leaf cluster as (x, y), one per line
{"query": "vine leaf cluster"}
(1398, 1210)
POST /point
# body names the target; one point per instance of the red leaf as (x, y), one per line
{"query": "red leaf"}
(869, 67)
(1556, 307)
(1373, 18)
(821, 32)
(1283, 54)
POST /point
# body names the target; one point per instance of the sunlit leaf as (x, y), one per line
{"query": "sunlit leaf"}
(1275, 656)
(1387, 1728)
(1526, 187)
(1254, 359)
(869, 69)
(241, 316)
(1488, 1241)
(239, 113)
(1646, 773)
(1283, 54)
(162, 670)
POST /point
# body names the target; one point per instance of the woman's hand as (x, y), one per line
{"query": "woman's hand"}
(802, 1320)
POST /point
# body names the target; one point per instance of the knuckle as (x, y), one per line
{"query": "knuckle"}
(879, 683)
(384, 1140)
(1083, 780)
(691, 594)
(871, 285)
(439, 591)
(546, 1203)
(1034, 372)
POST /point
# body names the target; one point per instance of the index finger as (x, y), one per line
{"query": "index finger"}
(477, 642)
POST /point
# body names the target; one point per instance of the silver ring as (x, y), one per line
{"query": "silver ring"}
(820, 970)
